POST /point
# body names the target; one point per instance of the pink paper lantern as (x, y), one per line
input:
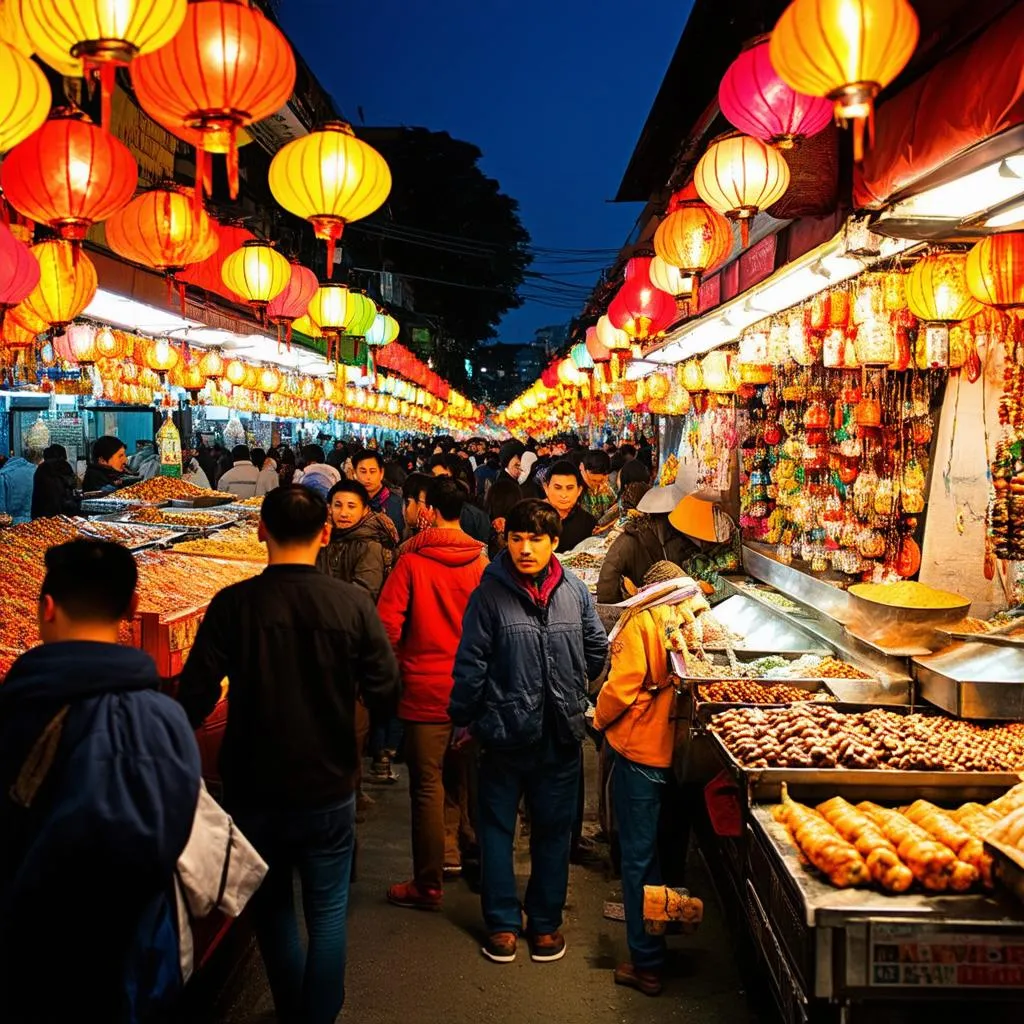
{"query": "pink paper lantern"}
(294, 301)
(759, 103)
(19, 270)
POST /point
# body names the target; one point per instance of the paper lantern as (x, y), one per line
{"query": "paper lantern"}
(740, 176)
(24, 96)
(236, 372)
(257, 272)
(995, 270)
(211, 365)
(19, 270)
(163, 230)
(161, 356)
(80, 343)
(328, 308)
(937, 289)
(112, 345)
(658, 386)
(269, 381)
(305, 325)
(207, 273)
(568, 375)
(693, 237)
(756, 101)
(67, 284)
(640, 309)
(228, 67)
(598, 351)
(720, 377)
(293, 301)
(360, 314)
(69, 174)
(580, 357)
(80, 36)
(15, 337)
(845, 50)
(693, 376)
(383, 331)
(672, 280)
(330, 178)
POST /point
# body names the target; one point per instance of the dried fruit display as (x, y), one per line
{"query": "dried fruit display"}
(167, 488)
(239, 542)
(187, 518)
(812, 735)
(833, 668)
(120, 533)
(170, 583)
(254, 502)
(741, 691)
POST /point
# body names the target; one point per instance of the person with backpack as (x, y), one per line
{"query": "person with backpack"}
(99, 776)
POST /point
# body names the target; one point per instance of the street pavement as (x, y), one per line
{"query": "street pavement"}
(406, 966)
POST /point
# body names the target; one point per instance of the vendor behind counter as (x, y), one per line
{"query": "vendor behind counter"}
(108, 469)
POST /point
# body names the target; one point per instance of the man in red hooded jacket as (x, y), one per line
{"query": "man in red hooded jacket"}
(421, 606)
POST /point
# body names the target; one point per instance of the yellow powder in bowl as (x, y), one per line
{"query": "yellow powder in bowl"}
(908, 594)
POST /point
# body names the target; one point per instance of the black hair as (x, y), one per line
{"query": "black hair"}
(349, 487)
(286, 457)
(508, 451)
(504, 494)
(492, 461)
(106, 447)
(91, 580)
(629, 450)
(565, 468)
(597, 461)
(394, 474)
(293, 514)
(312, 453)
(365, 455)
(240, 453)
(634, 471)
(415, 485)
(258, 457)
(446, 497)
(533, 516)
(440, 460)
(55, 451)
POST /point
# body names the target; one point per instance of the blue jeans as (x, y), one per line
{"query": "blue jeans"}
(547, 775)
(308, 985)
(636, 797)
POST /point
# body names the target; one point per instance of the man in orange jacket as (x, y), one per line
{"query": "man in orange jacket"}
(635, 712)
(421, 606)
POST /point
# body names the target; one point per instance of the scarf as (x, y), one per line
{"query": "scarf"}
(379, 501)
(539, 588)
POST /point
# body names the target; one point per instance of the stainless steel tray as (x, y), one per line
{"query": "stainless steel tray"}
(813, 785)
(124, 517)
(974, 680)
(159, 535)
(201, 501)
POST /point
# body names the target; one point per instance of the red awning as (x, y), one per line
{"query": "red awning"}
(970, 96)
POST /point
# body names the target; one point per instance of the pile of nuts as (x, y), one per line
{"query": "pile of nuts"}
(833, 668)
(742, 691)
(816, 736)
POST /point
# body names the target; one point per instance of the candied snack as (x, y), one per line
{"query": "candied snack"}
(168, 488)
(239, 542)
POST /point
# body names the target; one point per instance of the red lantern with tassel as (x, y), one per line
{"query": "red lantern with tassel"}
(294, 301)
(19, 270)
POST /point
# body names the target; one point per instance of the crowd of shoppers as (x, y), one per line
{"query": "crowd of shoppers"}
(411, 594)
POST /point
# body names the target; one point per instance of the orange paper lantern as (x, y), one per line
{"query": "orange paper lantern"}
(995, 270)
(67, 284)
(693, 237)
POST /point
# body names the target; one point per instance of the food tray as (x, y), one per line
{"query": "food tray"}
(159, 535)
(813, 785)
(1009, 866)
(974, 681)
(220, 556)
(125, 517)
(705, 710)
(213, 501)
(97, 507)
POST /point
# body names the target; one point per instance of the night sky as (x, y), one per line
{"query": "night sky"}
(555, 93)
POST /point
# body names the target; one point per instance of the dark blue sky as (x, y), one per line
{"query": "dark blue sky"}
(554, 92)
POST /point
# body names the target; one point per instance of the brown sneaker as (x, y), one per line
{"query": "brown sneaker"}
(412, 897)
(648, 982)
(545, 949)
(500, 947)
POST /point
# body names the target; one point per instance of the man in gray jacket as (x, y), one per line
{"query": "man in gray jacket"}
(241, 479)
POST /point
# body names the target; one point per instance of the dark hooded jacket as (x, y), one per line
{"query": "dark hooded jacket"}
(422, 606)
(525, 658)
(644, 541)
(363, 554)
(100, 838)
(53, 490)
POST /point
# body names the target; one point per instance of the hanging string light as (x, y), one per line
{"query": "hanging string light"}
(87, 37)
(330, 178)
(69, 174)
(228, 67)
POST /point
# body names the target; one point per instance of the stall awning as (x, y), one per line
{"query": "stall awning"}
(971, 96)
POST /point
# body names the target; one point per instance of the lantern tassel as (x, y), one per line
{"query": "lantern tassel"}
(330, 257)
(288, 335)
(233, 162)
(197, 192)
(745, 232)
(107, 72)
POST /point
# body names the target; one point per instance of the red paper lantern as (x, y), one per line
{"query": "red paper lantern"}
(640, 309)
(19, 270)
(294, 301)
(69, 175)
(207, 274)
(598, 352)
(759, 103)
(227, 67)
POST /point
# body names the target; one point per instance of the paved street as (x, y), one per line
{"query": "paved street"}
(409, 966)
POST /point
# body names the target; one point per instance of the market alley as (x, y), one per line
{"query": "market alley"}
(409, 966)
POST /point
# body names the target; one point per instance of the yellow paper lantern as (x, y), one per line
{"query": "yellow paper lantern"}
(846, 50)
(693, 376)
(67, 284)
(212, 365)
(719, 376)
(269, 380)
(328, 308)
(257, 272)
(161, 356)
(937, 289)
(24, 96)
(235, 372)
(330, 178)
(304, 325)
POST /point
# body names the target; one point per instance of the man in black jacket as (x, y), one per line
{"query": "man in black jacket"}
(297, 647)
(564, 490)
(53, 486)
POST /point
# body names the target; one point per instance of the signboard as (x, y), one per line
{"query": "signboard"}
(731, 281)
(757, 262)
(709, 294)
(923, 956)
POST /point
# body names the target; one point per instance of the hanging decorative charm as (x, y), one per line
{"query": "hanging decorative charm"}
(756, 101)
(740, 176)
(330, 178)
(67, 284)
(19, 271)
(69, 174)
(228, 67)
(293, 302)
(96, 36)
(257, 272)
(24, 96)
(846, 51)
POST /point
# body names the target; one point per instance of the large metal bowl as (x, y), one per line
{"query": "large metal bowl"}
(890, 626)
